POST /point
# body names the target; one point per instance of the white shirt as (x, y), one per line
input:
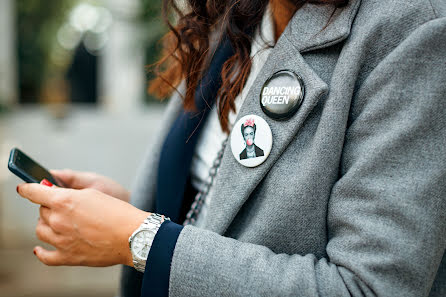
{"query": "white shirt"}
(212, 136)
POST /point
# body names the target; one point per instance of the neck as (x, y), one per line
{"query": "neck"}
(282, 12)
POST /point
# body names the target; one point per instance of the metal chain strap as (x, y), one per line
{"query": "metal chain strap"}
(201, 195)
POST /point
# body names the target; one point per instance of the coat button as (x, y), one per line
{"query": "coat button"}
(251, 140)
(282, 94)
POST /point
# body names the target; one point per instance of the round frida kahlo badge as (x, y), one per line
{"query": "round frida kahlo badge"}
(282, 94)
(251, 140)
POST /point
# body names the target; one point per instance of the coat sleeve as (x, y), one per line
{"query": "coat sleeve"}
(386, 213)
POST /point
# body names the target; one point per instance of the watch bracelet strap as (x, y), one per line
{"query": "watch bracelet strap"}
(156, 219)
(140, 266)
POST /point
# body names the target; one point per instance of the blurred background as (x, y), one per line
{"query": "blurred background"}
(72, 95)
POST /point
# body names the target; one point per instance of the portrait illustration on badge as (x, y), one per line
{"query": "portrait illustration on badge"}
(251, 150)
(251, 140)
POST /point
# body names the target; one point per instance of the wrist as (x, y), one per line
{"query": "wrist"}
(136, 220)
(142, 239)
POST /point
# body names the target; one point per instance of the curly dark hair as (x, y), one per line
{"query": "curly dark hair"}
(187, 49)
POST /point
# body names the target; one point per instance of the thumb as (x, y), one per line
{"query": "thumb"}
(65, 178)
(61, 173)
(50, 258)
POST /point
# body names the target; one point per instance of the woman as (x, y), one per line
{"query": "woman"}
(251, 150)
(349, 197)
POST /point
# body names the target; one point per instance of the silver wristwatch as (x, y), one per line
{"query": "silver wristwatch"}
(141, 240)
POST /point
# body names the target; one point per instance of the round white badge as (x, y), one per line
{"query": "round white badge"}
(251, 140)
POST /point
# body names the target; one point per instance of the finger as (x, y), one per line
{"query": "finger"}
(46, 234)
(50, 258)
(70, 178)
(44, 213)
(59, 181)
(38, 193)
(62, 176)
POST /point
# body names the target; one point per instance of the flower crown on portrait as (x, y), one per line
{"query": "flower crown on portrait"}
(249, 122)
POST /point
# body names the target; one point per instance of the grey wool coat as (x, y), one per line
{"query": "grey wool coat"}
(352, 199)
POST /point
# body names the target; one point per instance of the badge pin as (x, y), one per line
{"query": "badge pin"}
(251, 140)
(282, 94)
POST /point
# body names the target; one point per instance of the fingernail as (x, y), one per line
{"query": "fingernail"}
(17, 189)
(34, 252)
(46, 182)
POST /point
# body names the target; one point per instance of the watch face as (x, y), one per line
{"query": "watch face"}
(141, 243)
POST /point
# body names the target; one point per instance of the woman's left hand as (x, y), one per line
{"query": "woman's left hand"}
(87, 227)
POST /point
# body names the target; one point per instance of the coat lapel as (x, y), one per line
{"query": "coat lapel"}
(309, 29)
(299, 36)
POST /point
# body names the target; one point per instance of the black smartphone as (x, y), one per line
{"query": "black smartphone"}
(27, 169)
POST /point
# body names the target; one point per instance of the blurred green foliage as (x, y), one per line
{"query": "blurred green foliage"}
(37, 25)
(3, 109)
(38, 22)
(154, 30)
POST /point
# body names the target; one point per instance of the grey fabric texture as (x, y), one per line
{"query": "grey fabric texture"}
(352, 198)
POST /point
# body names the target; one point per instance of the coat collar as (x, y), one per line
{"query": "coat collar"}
(306, 28)
(303, 33)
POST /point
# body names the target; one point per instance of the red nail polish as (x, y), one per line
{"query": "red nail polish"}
(34, 252)
(17, 189)
(46, 182)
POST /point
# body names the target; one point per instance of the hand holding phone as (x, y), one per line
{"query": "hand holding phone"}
(27, 169)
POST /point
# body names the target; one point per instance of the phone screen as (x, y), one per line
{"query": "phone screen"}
(33, 169)
(28, 169)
